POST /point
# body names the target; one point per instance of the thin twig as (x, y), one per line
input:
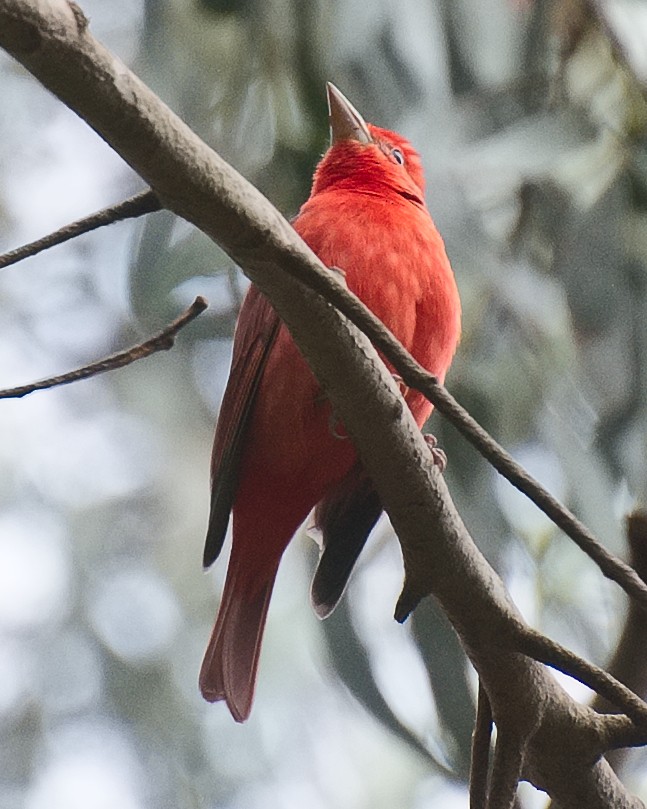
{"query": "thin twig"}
(480, 762)
(550, 653)
(415, 376)
(142, 203)
(160, 342)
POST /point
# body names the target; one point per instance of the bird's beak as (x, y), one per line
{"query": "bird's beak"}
(345, 122)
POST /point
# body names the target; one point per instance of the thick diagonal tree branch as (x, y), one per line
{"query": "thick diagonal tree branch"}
(562, 740)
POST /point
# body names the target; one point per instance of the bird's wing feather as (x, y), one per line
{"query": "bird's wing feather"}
(346, 516)
(258, 325)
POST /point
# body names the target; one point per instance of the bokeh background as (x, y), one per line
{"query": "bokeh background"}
(532, 122)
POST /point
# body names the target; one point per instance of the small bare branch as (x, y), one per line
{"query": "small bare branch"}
(546, 651)
(617, 731)
(481, 740)
(160, 342)
(142, 203)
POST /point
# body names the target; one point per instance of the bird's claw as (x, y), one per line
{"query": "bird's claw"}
(336, 427)
(402, 385)
(438, 455)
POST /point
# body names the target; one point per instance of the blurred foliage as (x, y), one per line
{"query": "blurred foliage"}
(531, 118)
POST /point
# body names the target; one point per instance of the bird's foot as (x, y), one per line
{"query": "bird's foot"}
(438, 455)
(402, 385)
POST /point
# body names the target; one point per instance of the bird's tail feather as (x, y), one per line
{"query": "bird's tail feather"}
(229, 667)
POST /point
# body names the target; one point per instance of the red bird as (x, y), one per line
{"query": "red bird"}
(276, 454)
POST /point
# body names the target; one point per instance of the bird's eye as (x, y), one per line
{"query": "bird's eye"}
(398, 156)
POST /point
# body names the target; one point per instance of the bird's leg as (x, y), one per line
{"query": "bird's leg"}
(438, 455)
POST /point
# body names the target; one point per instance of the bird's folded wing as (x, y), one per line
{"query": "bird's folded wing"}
(258, 325)
(346, 516)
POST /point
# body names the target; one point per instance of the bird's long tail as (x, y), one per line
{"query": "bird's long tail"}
(229, 667)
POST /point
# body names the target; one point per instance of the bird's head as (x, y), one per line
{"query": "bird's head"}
(366, 158)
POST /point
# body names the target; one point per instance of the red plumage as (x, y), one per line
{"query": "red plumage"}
(275, 457)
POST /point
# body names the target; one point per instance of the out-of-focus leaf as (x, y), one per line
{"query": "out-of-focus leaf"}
(627, 20)
(227, 6)
(163, 264)
(352, 664)
(447, 665)
(478, 32)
